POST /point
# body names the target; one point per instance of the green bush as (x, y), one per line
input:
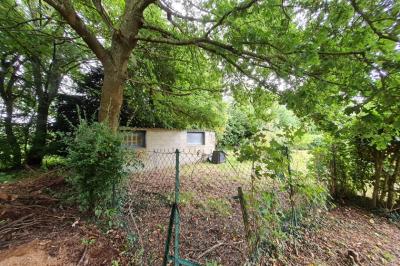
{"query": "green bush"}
(5, 153)
(96, 158)
(53, 161)
(238, 128)
(285, 197)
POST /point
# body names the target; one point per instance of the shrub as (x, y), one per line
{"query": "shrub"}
(5, 153)
(283, 199)
(96, 157)
(53, 161)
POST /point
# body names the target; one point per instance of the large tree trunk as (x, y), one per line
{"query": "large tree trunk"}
(11, 138)
(384, 188)
(38, 149)
(47, 83)
(112, 96)
(115, 76)
(9, 68)
(378, 165)
(392, 182)
(115, 59)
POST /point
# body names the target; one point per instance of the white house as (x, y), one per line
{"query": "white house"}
(168, 140)
(155, 147)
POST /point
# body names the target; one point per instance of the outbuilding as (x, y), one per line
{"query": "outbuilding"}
(168, 140)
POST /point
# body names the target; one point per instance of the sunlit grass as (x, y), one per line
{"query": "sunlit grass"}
(299, 160)
(51, 161)
(219, 206)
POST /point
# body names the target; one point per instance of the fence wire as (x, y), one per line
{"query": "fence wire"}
(155, 172)
(204, 186)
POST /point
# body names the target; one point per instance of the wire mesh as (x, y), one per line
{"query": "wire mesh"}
(205, 187)
(155, 171)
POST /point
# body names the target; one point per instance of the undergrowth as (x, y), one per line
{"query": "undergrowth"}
(280, 211)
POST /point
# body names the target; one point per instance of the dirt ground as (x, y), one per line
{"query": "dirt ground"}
(36, 228)
(212, 229)
(351, 236)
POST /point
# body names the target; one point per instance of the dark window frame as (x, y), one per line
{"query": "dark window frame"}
(130, 135)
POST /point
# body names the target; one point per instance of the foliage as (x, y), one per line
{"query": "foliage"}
(175, 87)
(239, 126)
(285, 195)
(354, 99)
(330, 69)
(282, 198)
(31, 34)
(52, 161)
(96, 158)
(255, 112)
(7, 177)
(394, 217)
(5, 154)
(144, 106)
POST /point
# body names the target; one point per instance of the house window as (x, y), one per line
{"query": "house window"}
(196, 138)
(136, 139)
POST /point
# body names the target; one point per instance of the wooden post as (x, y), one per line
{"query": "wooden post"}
(245, 215)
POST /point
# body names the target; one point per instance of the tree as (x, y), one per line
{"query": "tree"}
(46, 62)
(179, 101)
(9, 67)
(114, 60)
(240, 126)
(355, 98)
(225, 29)
(82, 102)
(46, 84)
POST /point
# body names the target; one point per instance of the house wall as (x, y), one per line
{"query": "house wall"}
(162, 143)
(170, 140)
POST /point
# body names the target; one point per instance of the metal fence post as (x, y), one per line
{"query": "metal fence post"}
(175, 222)
(177, 182)
(177, 218)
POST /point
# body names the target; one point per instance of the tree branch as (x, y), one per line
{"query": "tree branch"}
(68, 12)
(132, 20)
(240, 7)
(234, 64)
(170, 41)
(167, 89)
(171, 12)
(103, 13)
(371, 23)
(25, 22)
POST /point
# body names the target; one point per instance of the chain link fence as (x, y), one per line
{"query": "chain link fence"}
(156, 172)
(207, 189)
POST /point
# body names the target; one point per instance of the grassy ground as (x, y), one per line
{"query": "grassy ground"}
(7, 177)
(12, 176)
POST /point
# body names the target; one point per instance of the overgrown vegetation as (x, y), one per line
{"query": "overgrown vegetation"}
(283, 198)
(96, 157)
(269, 77)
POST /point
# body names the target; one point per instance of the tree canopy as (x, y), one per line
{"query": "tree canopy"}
(183, 64)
